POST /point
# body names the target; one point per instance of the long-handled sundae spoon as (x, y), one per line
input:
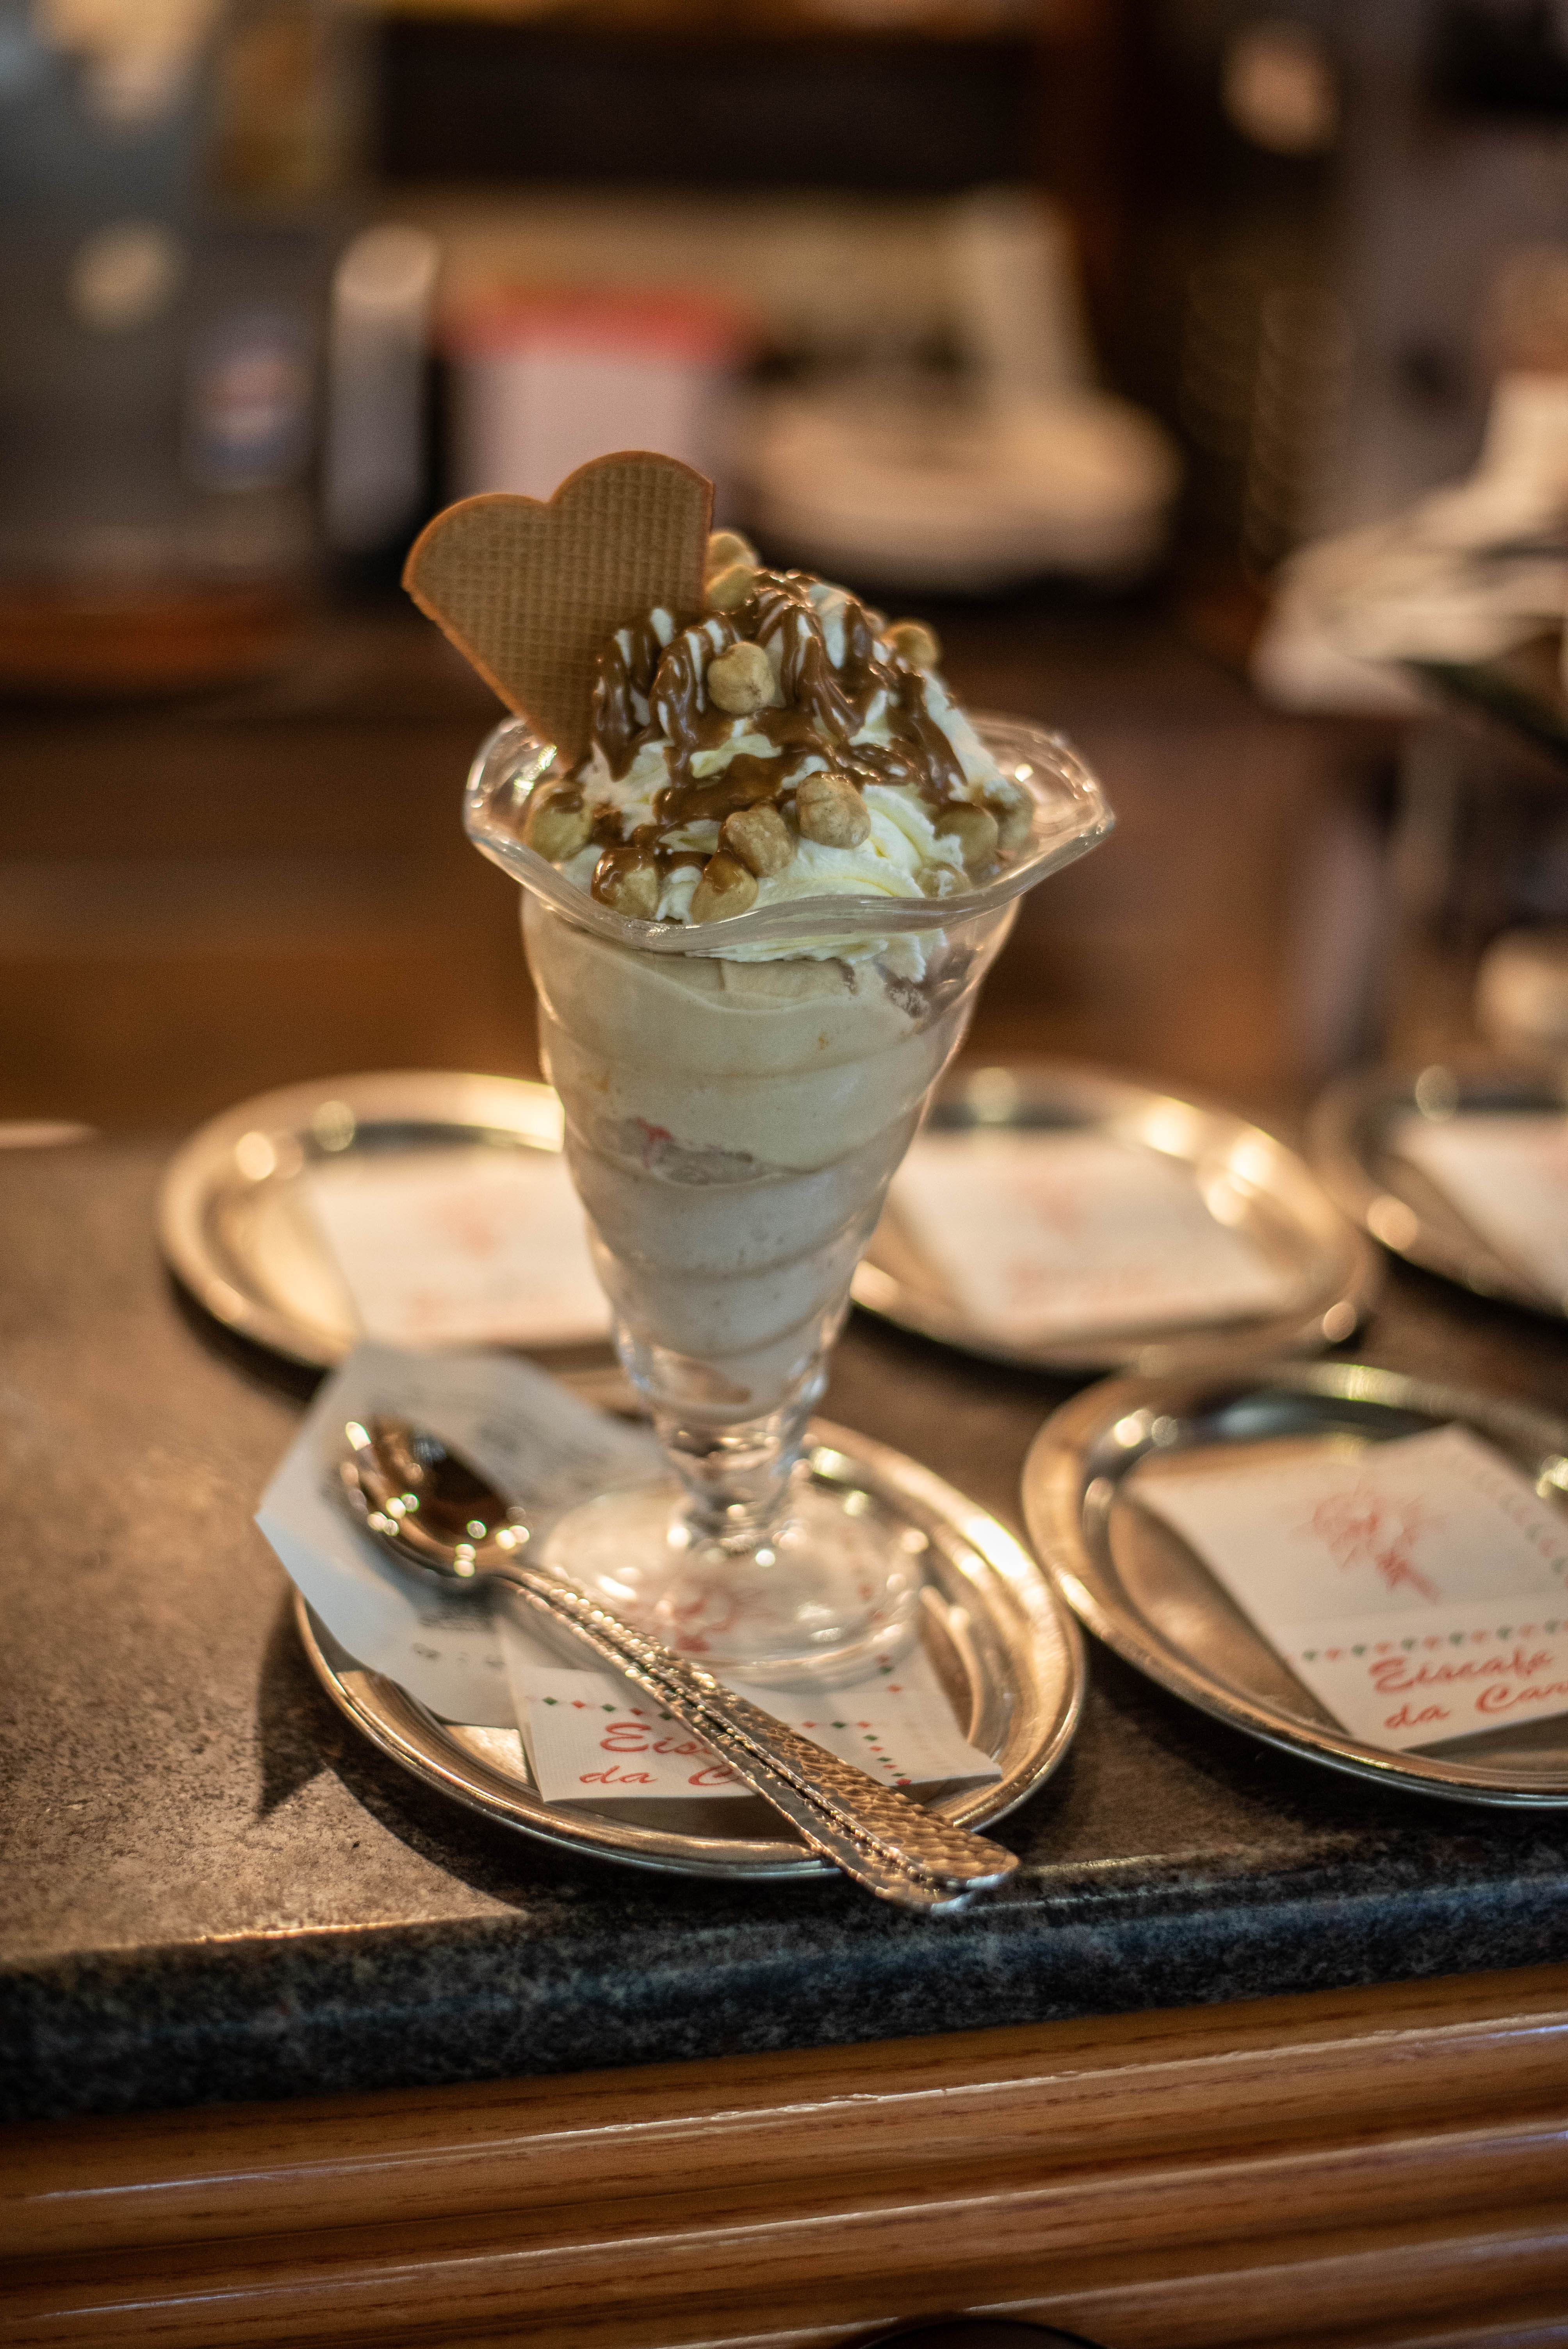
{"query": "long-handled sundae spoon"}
(436, 1516)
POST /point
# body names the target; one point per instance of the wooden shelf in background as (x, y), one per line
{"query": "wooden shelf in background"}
(902, 20)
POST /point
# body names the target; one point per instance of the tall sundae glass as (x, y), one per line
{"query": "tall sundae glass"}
(739, 1086)
(766, 861)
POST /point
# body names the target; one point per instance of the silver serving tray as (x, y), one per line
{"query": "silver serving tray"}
(230, 1216)
(1350, 1135)
(1132, 1579)
(1279, 1204)
(1008, 1654)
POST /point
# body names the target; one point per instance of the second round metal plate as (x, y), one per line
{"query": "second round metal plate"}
(1326, 1273)
(1006, 1648)
(230, 1216)
(1133, 1580)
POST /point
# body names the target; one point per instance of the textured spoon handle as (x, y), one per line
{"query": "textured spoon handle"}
(922, 1838)
(874, 1832)
(824, 1830)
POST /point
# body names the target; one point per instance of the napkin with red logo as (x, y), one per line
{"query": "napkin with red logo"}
(1040, 1233)
(1418, 1588)
(592, 1737)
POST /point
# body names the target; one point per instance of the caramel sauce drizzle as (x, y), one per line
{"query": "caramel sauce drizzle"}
(646, 691)
(620, 708)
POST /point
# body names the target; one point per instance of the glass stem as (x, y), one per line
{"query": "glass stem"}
(736, 1472)
(737, 1477)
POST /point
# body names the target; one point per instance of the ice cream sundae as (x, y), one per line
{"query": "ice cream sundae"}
(761, 891)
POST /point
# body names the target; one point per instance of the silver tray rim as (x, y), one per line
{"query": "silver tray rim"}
(1336, 1131)
(1035, 1631)
(1330, 1318)
(517, 1109)
(1053, 1493)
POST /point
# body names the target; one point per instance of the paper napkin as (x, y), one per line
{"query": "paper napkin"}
(1040, 1233)
(591, 1736)
(1507, 1174)
(537, 1442)
(1418, 1588)
(460, 1246)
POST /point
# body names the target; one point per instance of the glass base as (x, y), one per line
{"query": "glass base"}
(832, 1592)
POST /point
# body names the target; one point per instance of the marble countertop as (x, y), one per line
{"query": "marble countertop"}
(214, 1890)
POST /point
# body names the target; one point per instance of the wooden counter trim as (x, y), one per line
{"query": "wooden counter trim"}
(1286, 2169)
(1181, 2077)
(1397, 2287)
(1259, 2288)
(986, 2233)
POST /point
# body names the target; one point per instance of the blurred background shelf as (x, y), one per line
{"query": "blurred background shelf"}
(201, 899)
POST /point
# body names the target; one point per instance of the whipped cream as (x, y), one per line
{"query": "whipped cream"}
(901, 856)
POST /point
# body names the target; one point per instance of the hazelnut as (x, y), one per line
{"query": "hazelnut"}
(760, 837)
(740, 680)
(916, 644)
(939, 881)
(727, 547)
(557, 824)
(726, 888)
(631, 889)
(1015, 816)
(829, 808)
(726, 590)
(976, 831)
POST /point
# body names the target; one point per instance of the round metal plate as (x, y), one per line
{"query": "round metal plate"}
(1331, 1272)
(1137, 1584)
(230, 1218)
(1008, 1654)
(1353, 1139)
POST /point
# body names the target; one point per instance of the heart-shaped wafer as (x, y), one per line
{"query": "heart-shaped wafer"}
(528, 589)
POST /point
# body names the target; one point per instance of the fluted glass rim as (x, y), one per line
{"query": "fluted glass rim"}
(1071, 816)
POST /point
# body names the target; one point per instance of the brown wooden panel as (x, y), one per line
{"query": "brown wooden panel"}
(967, 2240)
(1386, 2159)
(1171, 949)
(1395, 2286)
(1502, 2322)
(1320, 2291)
(1188, 2077)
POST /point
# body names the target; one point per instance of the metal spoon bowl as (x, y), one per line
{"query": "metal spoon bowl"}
(427, 1505)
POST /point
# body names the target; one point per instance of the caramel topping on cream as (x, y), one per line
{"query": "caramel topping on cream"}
(812, 688)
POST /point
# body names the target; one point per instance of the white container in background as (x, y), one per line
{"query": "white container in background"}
(1020, 465)
(542, 382)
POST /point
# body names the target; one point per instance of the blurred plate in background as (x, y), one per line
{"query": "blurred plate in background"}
(1405, 1153)
(420, 1206)
(1063, 1219)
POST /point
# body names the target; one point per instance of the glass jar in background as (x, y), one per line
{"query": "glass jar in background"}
(163, 281)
